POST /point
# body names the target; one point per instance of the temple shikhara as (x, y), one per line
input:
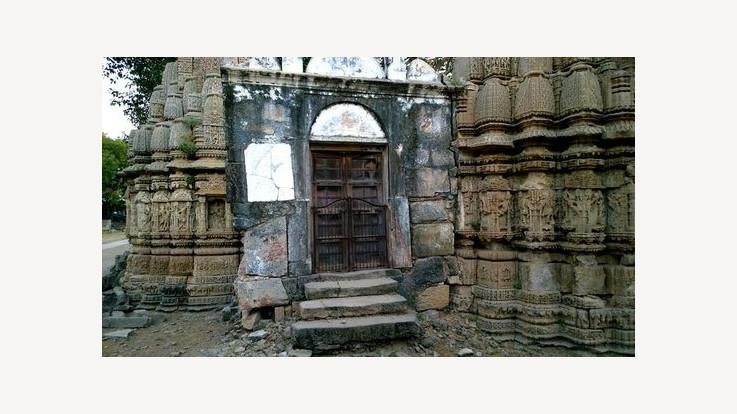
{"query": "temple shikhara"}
(348, 194)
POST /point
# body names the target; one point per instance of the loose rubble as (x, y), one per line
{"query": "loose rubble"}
(188, 334)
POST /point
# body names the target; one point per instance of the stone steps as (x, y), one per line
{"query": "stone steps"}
(360, 274)
(347, 288)
(342, 307)
(333, 333)
(360, 306)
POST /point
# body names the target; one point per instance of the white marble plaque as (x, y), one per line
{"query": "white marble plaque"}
(269, 172)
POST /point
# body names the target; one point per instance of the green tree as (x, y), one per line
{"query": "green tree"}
(114, 159)
(142, 74)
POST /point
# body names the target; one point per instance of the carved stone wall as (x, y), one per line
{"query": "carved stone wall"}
(545, 224)
(184, 251)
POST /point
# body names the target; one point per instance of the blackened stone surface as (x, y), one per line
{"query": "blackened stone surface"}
(265, 249)
(428, 211)
(401, 251)
(435, 239)
(426, 272)
(297, 239)
(427, 182)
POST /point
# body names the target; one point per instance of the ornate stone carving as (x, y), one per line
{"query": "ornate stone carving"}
(536, 208)
(143, 213)
(173, 107)
(621, 211)
(496, 217)
(493, 103)
(580, 91)
(534, 97)
(496, 66)
(583, 214)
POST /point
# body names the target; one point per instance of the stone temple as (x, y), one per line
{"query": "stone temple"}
(351, 193)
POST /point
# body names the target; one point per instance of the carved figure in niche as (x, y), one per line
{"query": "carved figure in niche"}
(143, 215)
(495, 211)
(621, 210)
(162, 217)
(470, 211)
(536, 210)
(180, 216)
(216, 215)
(584, 210)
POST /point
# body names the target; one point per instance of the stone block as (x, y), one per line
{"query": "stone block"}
(429, 181)
(428, 211)
(538, 276)
(468, 271)
(265, 249)
(250, 320)
(620, 280)
(259, 293)
(279, 313)
(401, 253)
(426, 272)
(565, 278)
(432, 239)
(434, 297)
(589, 280)
(126, 321)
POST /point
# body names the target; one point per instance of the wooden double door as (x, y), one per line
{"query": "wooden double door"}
(349, 210)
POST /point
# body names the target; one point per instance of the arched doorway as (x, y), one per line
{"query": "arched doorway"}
(348, 190)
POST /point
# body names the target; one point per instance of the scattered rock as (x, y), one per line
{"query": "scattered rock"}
(226, 313)
(175, 353)
(258, 335)
(428, 342)
(300, 353)
(122, 333)
(249, 321)
(240, 349)
(431, 314)
(465, 352)
(122, 321)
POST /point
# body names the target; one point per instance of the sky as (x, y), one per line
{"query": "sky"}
(114, 123)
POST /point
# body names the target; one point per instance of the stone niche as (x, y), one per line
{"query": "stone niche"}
(273, 121)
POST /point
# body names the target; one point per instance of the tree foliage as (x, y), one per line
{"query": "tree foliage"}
(142, 74)
(114, 159)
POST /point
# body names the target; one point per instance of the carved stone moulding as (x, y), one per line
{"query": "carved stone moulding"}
(207, 302)
(580, 92)
(173, 107)
(530, 65)
(491, 294)
(537, 331)
(496, 327)
(496, 309)
(580, 336)
(156, 105)
(562, 63)
(493, 108)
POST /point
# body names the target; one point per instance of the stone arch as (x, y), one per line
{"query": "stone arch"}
(355, 67)
(347, 122)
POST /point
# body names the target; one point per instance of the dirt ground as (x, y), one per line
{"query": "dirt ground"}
(190, 334)
(112, 235)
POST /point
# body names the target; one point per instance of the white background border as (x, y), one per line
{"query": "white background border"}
(51, 207)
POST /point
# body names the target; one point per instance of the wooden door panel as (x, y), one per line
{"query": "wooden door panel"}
(349, 211)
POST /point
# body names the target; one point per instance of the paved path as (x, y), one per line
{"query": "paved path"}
(110, 250)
